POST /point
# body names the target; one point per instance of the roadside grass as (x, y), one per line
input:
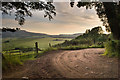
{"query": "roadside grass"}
(73, 47)
(49, 49)
(14, 59)
(112, 48)
(68, 48)
(9, 62)
(80, 47)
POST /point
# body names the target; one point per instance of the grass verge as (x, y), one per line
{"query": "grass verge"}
(10, 60)
(112, 48)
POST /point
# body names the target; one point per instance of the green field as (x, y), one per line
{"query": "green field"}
(17, 57)
(30, 42)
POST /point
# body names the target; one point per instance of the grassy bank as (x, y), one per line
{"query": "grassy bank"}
(14, 59)
(112, 48)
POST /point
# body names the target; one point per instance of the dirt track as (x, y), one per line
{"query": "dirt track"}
(86, 63)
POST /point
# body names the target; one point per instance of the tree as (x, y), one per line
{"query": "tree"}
(87, 31)
(94, 33)
(23, 9)
(108, 12)
(9, 29)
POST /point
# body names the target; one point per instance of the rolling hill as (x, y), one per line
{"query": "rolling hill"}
(26, 34)
(22, 34)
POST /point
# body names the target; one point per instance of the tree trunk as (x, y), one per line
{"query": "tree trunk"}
(112, 12)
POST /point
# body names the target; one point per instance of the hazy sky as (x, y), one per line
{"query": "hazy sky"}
(67, 21)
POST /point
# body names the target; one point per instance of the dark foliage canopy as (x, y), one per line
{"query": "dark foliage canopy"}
(9, 29)
(23, 9)
(108, 12)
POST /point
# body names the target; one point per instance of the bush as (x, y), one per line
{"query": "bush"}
(112, 48)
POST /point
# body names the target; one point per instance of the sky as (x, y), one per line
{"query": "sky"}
(67, 21)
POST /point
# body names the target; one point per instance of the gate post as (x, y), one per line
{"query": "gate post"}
(36, 47)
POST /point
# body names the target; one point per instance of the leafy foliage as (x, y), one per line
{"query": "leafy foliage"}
(23, 9)
(9, 29)
(112, 48)
(108, 12)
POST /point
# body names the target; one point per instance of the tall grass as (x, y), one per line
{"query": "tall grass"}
(14, 59)
(112, 48)
(73, 47)
(9, 62)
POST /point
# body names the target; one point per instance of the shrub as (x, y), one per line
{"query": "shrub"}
(112, 48)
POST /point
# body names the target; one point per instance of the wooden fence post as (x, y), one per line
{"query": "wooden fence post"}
(50, 45)
(36, 47)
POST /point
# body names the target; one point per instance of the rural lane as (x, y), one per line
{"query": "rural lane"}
(85, 63)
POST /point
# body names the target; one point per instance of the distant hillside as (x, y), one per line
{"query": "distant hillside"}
(22, 34)
(26, 34)
(66, 35)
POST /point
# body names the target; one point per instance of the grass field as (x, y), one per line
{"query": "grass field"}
(30, 42)
(16, 57)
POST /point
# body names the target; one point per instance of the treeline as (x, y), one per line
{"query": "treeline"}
(9, 29)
